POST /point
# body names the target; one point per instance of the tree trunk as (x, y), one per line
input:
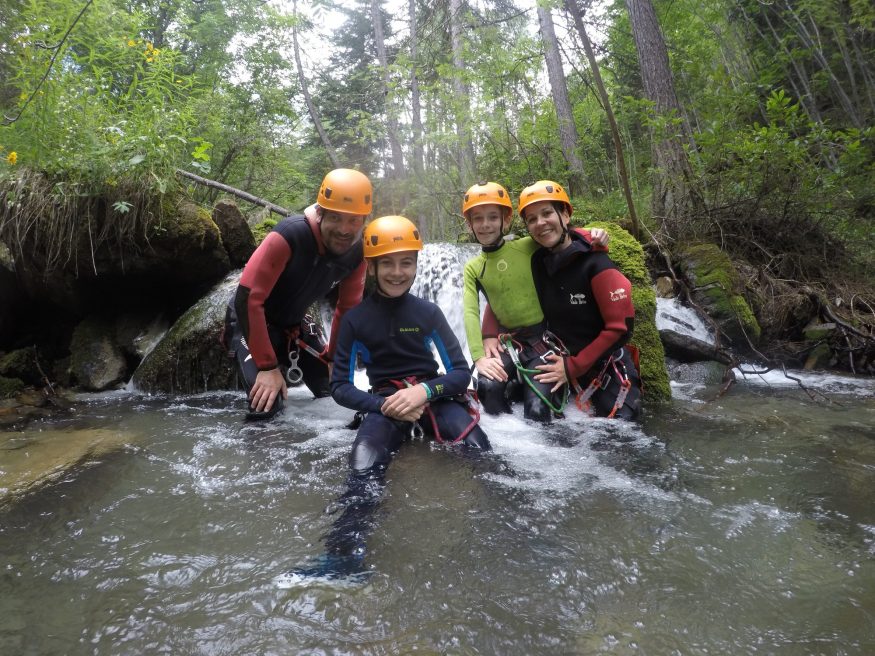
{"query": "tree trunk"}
(571, 6)
(568, 137)
(311, 108)
(462, 100)
(415, 102)
(391, 120)
(676, 199)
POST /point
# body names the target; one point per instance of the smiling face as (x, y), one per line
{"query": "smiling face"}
(340, 230)
(488, 223)
(394, 272)
(545, 224)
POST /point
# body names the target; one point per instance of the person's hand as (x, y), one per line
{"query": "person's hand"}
(599, 236)
(492, 347)
(492, 368)
(554, 372)
(406, 404)
(268, 385)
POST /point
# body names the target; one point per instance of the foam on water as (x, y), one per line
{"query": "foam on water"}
(855, 386)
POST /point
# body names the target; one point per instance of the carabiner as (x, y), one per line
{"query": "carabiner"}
(416, 432)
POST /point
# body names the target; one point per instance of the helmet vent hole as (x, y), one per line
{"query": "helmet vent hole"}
(328, 192)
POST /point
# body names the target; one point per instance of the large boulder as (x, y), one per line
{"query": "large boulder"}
(627, 253)
(191, 358)
(718, 290)
(236, 235)
(96, 361)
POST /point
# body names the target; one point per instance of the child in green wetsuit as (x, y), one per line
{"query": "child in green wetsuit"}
(503, 273)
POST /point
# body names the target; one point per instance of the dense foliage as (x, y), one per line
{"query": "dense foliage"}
(778, 99)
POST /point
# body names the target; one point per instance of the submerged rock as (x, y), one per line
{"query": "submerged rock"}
(35, 458)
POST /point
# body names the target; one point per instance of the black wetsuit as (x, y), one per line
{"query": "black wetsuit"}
(394, 337)
(587, 303)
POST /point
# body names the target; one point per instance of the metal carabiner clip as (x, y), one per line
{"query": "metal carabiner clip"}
(544, 356)
(416, 432)
(294, 375)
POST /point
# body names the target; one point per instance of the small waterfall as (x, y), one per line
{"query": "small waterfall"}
(439, 280)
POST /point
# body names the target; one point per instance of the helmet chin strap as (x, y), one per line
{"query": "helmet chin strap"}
(565, 235)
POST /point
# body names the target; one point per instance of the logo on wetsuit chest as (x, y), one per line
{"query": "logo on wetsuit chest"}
(577, 299)
(414, 329)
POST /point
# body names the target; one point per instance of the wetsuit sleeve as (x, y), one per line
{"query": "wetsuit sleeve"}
(490, 326)
(349, 294)
(457, 376)
(613, 295)
(343, 388)
(471, 310)
(258, 279)
(583, 232)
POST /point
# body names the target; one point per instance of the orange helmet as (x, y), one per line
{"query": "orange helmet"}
(543, 190)
(391, 234)
(346, 190)
(486, 193)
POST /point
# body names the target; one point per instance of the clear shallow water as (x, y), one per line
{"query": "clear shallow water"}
(743, 525)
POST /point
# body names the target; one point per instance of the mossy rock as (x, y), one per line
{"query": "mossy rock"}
(9, 387)
(96, 362)
(718, 289)
(236, 235)
(21, 363)
(629, 256)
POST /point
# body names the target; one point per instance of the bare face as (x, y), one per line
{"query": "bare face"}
(340, 230)
(545, 224)
(488, 222)
(394, 272)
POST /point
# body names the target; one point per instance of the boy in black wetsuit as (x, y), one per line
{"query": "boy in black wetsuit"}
(393, 333)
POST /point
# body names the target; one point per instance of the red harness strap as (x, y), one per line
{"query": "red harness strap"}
(472, 409)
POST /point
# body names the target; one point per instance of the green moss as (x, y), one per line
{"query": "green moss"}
(10, 387)
(629, 256)
(194, 224)
(712, 273)
(260, 230)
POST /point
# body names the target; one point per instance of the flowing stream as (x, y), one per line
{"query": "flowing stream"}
(742, 525)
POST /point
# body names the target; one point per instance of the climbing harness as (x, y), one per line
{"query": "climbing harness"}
(524, 374)
(613, 364)
(416, 430)
(310, 329)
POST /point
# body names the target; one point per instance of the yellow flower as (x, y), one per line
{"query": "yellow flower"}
(12, 158)
(131, 43)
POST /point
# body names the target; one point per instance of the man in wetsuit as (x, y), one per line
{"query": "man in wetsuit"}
(299, 262)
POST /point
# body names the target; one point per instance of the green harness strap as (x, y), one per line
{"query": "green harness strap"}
(526, 375)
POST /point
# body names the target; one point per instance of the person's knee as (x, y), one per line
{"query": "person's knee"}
(536, 410)
(492, 395)
(477, 439)
(368, 457)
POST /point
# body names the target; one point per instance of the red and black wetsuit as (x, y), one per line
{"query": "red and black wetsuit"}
(587, 303)
(289, 271)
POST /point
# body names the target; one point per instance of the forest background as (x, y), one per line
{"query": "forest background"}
(741, 123)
